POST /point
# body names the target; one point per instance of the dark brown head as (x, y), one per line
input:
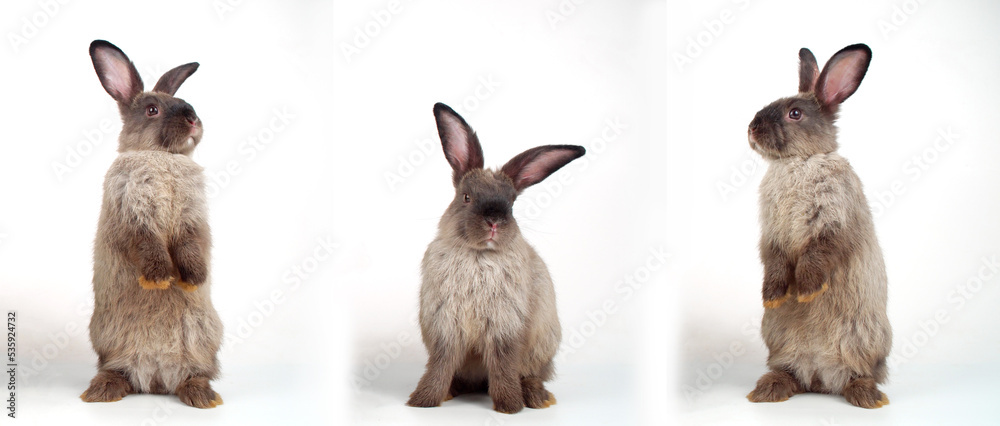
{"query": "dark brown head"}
(803, 125)
(153, 120)
(481, 213)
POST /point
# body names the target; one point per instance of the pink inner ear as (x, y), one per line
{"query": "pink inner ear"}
(117, 73)
(458, 140)
(540, 167)
(842, 80)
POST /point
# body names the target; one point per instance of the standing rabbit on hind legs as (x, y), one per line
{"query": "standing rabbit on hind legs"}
(487, 304)
(154, 328)
(824, 289)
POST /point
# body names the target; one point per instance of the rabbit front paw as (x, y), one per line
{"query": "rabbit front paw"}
(186, 286)
(191, 265)
(809, 297)
(156, 275)
(775, 303)
(776, 293)
(155, 285)
(811, 281)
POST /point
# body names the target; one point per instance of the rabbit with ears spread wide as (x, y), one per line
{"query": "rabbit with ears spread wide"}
(154, 328)
(487, 304)
(824, 288)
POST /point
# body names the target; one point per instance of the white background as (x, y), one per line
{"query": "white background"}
(594, 221)
(936, 72)
(282, 360)
(322, 177)
(343, 345)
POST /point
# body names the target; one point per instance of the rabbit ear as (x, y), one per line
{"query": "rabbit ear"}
(536, 164)
(808, 71)
(117, 73)
(461, 146)
(842, 75)
(170, 81)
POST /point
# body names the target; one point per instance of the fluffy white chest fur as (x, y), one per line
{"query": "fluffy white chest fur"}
(477, 293)
(157, 186)
(798, 196)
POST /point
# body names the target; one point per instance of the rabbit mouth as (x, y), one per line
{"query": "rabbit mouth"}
(763, 143)
(492, 237)
(491, 240)
(755, 142)
(193, 136)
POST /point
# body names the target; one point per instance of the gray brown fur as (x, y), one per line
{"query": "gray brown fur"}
(154, 327)
(487, 304)
(824, 285)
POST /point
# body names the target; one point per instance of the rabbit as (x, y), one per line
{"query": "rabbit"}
(824, 286)
(487, 304)
(154, 327)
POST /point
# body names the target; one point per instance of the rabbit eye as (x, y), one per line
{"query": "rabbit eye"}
(468, 199)
(795, 114)
(152, 110)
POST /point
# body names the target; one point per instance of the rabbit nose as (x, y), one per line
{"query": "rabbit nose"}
(494, 210)
(494, 221)
(191, 117)
(494, 218)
